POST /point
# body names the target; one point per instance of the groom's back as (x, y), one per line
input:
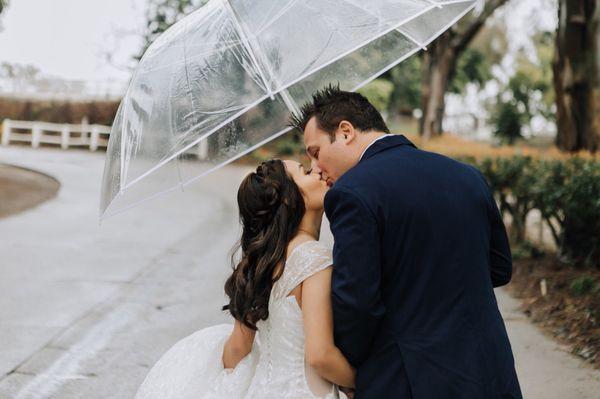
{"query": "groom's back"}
(442, 248)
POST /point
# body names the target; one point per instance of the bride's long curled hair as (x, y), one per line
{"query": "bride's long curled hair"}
(271, 208)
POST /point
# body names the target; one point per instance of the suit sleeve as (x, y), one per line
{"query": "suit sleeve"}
(356, 279)
(500, 256)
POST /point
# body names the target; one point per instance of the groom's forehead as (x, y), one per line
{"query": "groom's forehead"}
(312, 132)
(310, 128)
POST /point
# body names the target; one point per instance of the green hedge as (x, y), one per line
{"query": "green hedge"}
(566, 192)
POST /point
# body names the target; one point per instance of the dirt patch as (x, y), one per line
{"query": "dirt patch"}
(570, 308)
(22, 189)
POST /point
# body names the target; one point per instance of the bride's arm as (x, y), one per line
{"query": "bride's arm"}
(238, 345)
(320, 350)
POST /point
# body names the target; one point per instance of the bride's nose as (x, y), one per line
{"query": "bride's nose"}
(314, 168)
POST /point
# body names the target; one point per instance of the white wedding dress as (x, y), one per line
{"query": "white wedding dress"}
(274, 369)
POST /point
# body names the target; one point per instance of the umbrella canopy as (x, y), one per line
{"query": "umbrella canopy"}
(223, 81)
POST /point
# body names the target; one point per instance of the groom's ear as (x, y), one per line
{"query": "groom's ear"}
(346, 129)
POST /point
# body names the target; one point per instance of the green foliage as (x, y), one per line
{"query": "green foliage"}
(511, 180)
(529, 92)
(582, 285)
(472, 67)
(3, 5)
(378, 92)
(288, 145)
(162, 14)
(550, 191)
(406, 82)
(581, 227)
(536, 77)
(507, 122)
(566, 193)
(525, 250)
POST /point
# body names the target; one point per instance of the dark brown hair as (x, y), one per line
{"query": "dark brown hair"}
(331, 105)
(271, 208)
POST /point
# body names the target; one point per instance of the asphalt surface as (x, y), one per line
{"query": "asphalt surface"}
(86, 309)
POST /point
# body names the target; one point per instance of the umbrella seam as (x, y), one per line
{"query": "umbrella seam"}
(362, 44)
(106, 214)
(293, 82)
(196, 141)
(453, 21)
(244, 38)
(249, 41)
(399, 29)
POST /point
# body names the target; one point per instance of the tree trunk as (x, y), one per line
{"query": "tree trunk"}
(439, 65)
(438, 69)
(576, 69)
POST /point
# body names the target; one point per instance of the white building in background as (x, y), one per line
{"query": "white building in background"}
(44, 88)
(466, 115)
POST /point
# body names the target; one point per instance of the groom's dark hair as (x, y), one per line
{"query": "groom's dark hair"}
(331, 105)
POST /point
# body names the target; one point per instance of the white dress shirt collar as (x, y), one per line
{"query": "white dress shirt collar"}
(373, 142)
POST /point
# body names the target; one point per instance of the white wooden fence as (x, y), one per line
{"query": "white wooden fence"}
(69, 135)
(63, 134)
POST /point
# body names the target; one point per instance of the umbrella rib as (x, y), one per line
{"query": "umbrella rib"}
(455, 20)
(399, 29)
(293, 82)
(435, 3)
(279, 14)
(106, 214)
(382, 70)
(187, 78)
(412, 39)
(241, 154)
(196, 141)
(351, 50)
(245, 43)
(398, 61)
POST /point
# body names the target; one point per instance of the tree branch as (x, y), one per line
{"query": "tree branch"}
(461, 40)
(555, 234)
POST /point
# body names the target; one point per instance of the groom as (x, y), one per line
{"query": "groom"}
(419, 246)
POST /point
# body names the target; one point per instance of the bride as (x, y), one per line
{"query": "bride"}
(281, 289)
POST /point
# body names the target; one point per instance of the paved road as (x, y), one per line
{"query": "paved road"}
(87, 309)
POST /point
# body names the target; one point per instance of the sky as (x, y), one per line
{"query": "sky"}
(70, 39)
(73, 39)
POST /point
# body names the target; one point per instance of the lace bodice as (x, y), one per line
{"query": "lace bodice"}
(275, 368)
(281, 368)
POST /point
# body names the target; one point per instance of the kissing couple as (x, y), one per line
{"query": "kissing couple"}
(402, 306)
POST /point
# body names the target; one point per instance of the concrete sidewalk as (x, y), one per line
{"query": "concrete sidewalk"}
(87, 309)
(546, 370)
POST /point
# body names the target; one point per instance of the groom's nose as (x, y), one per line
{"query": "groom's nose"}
(314, 167)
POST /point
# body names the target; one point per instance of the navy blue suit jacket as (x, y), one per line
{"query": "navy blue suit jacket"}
(419, 246)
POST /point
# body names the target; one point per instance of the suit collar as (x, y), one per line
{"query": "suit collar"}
(384, 144)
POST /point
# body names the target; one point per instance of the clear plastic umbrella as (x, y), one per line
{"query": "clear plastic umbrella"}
(223, 81)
